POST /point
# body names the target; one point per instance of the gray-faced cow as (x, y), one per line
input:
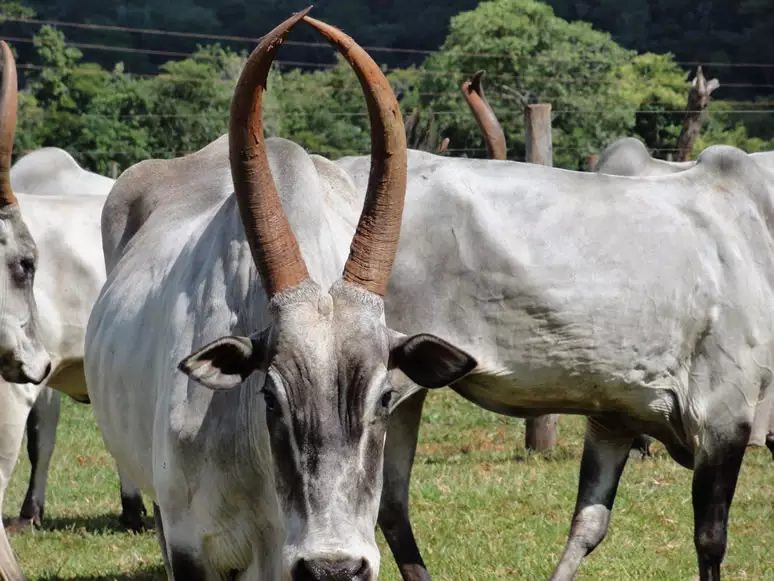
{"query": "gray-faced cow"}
(264, 456)
(51, 171)
(51, 273)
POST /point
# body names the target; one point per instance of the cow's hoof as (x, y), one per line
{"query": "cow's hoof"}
(20, 525)
(133, 521)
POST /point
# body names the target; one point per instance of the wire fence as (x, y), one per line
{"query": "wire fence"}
(500, 98)
(377, 49)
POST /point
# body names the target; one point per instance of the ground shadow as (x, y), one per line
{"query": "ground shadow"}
(100, 523)
(147, 574)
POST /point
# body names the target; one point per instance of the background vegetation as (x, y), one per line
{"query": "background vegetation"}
(114, 82)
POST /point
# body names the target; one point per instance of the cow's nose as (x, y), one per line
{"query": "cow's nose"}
(330, 570)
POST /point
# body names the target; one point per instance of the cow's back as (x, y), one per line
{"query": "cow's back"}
(53, 171)
(160, 183)
(629, 157)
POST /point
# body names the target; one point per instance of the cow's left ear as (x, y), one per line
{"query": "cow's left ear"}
(428, 360)
(226, 362)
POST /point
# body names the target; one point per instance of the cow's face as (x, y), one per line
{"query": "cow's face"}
(330, 384)
(23, 358)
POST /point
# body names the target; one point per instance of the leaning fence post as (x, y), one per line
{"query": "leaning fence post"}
(542, 430)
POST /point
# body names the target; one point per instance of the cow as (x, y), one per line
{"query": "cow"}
(263, 452)
(52, 272)
(51, 171)
(629, 157)
(641, 303)
(40, 336)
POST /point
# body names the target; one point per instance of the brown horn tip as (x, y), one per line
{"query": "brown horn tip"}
(274, 246)
(375, 242)
(8, 105)
(494, 137)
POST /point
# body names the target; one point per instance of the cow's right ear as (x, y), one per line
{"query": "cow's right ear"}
(228, 361)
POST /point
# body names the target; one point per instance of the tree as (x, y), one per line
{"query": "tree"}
(529, 52)
(657, 88)
(191, 100)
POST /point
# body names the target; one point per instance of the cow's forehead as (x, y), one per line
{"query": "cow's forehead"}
(324, 337)
(329, 344)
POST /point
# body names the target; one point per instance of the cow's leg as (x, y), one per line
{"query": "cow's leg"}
(605, 452)
(132, 508)
(41, 438)
(642, 444)
(770, 443)
(714, 483)
(15, 404)
(401, 444)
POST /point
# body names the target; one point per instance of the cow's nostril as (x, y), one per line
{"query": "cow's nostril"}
(331, 570)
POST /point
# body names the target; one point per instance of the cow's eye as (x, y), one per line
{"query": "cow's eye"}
(386, 399)
(269, 400)
(23, 270)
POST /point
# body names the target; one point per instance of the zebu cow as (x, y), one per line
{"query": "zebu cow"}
(642, 303)
(42, 327)
(630, 157)
(277, 473)
(51, 171)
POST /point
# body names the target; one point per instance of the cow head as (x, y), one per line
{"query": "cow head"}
(330, 369)
(22, 356)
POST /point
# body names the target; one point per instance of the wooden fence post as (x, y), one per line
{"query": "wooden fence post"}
(542, 430)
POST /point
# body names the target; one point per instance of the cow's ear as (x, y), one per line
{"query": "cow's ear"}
(428, 360)
(228, 361)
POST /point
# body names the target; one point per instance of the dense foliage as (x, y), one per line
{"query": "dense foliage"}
(111, 108)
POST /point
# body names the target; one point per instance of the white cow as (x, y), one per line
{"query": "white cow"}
(642, 303)
(630, 157)
(274, 474)
(51, 171)
(52, 241)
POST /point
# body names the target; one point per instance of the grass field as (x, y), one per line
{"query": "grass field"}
(481, 507)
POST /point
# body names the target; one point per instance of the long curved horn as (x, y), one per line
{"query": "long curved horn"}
(272, 242)
(8, 104)
(473, 91)
(373, 247)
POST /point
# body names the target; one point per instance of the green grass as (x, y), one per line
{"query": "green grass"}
(482, 508)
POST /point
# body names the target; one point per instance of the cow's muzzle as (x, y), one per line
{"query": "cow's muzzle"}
(330, 570)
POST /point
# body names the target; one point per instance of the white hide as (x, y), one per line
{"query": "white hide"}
(70, 273)
(630, 157)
